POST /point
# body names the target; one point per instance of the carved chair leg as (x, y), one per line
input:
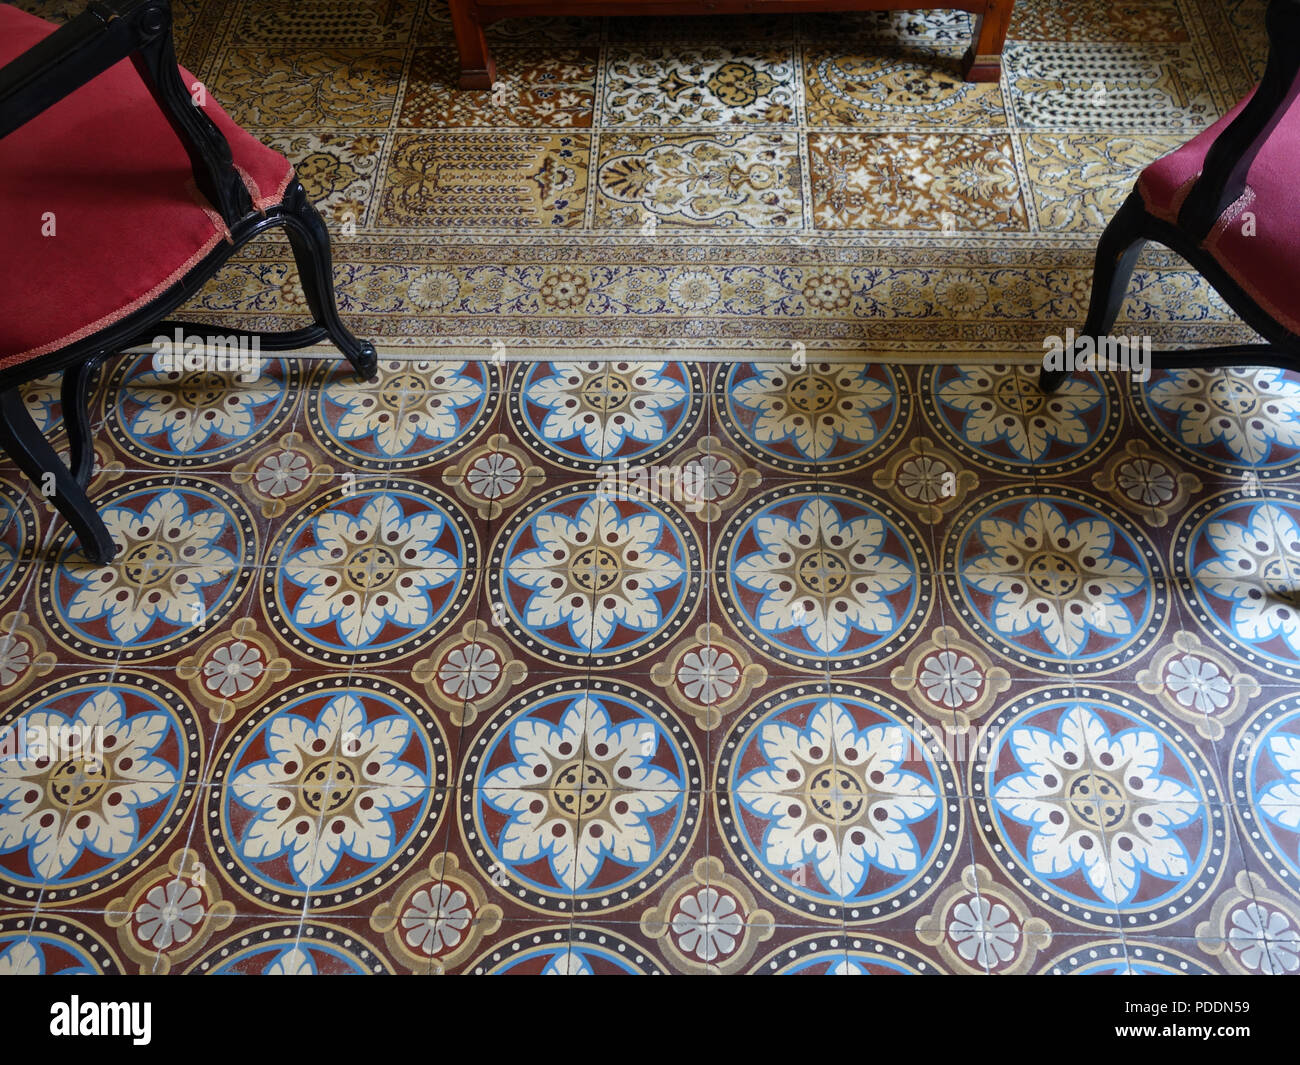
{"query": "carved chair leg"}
(74, 397)
(1117, 254)
(311, 250)
(33, 455)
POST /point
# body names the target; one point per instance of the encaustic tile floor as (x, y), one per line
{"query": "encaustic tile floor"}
(659, 667)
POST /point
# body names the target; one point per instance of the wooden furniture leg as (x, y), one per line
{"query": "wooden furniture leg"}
(983, 60)
(477, 68)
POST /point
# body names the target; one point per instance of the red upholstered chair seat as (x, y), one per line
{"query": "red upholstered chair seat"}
(128, 220)
(1265, 262)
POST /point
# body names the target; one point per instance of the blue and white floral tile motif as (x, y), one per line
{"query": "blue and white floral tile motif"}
(1225, 420)
(292, 950)
(18, 536)
(837, 804)
(1266, 787)
(583, 415)
(1268, 402)
(186, 549)
(1000, 418)
(595, 577)
(1242, 557)
(63, 948)
(584, 799)
(370, 572)
(319, 793)
(1115, 957)
(196, 417)
(44, 402)
(840, 955)
(98, 770)
(806, 418)
(565, 951)
(1054, 581)
(1100, 808)
(410, 416)
(827, 577)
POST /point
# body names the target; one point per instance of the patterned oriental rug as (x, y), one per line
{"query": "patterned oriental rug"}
(714, 185)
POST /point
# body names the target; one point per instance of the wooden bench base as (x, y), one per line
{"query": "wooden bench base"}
(982, 62)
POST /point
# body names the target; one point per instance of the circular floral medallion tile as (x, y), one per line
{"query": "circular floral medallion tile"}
(593, 576)
(469, 672)
(1198, 684)
(410, 416)
(980, 926)
(1225, 420)
(1126, 958)
(17, 536)
(1241, 555)
(369, 572)
(282, 472)
(1266, 787)
(842, 955)
(709, 676)
(327, 793)
(169, 914)
(1268, 402)
(820, 577)
(186, 551)
(232, 669)
(1147, 482)
(581, 795)
(821, 415)
(838, 804)
(951, 680)
(589, 414)
(195, 417)
(1100, 808)
(52, 946)
(44, 402)
(708, 922)
(494, 477)
(437, 917)
(1054, 581)
(999, 417)
(924, 479)
(566, 951)
(104, 770)
(23, 658)
(291, 949)
(1254, 930)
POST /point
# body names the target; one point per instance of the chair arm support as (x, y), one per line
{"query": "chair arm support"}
(107, 32)
(63, 62)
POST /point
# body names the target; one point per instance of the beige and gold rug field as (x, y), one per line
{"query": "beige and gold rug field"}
(710, 186)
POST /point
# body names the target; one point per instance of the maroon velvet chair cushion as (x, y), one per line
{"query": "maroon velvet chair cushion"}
(128, 219)
(1263, 257)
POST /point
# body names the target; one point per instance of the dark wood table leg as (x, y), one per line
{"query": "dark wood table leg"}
(477, 70)
(983, 60)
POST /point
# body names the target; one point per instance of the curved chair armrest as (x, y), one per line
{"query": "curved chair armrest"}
(1227, 164)
(107, 32)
